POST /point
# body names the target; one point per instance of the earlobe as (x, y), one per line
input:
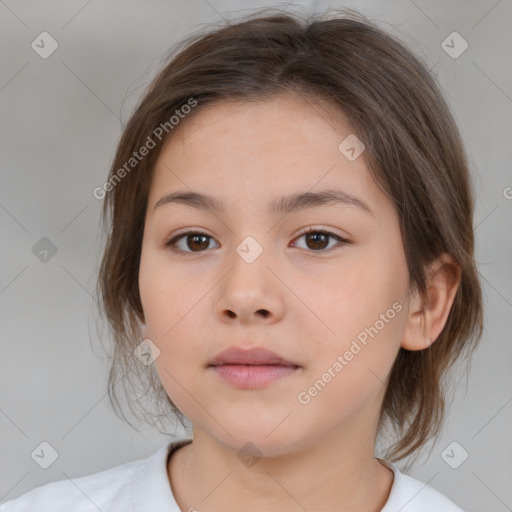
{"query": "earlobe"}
(427, 318)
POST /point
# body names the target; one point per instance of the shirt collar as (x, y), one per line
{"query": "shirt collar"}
(149, 487)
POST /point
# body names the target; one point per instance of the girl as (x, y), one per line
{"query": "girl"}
(290, 267)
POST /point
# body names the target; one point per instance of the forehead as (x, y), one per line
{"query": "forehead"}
(287, 116)
(261, 147)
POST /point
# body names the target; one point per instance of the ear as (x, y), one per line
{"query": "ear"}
(426, 319)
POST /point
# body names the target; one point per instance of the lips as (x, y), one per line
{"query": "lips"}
(253, 368)
(251, 356)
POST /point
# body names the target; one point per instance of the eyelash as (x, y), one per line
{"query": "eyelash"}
(171, 242)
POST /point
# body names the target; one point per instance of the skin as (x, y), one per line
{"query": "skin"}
(305, 304)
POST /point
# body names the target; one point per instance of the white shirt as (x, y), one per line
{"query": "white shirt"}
(143, 485)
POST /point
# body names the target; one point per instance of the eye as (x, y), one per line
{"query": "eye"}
(194, 240)
(317, 239)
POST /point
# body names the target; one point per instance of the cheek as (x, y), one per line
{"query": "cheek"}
(350, 372)
(172, 303)
(349, 300)
(364, 311)
(164, 296)
(171, 326)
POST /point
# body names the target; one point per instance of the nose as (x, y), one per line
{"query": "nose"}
(250, 293)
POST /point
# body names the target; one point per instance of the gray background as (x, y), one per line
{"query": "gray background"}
(61, 120)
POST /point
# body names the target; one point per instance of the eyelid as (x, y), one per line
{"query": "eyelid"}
(315, 229)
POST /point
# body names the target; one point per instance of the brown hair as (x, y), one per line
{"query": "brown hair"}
(413, 151)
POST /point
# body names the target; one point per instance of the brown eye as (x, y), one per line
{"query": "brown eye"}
(194, 242)
(197, 242)
(318, 240)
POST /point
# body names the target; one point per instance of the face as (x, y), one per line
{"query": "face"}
(248, 275)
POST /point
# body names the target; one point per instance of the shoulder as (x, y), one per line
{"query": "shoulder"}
(411, 495)
(98, 491)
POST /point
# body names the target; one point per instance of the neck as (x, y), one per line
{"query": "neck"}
(325, 474)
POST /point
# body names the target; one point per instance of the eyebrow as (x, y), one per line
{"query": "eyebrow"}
(280, 206)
